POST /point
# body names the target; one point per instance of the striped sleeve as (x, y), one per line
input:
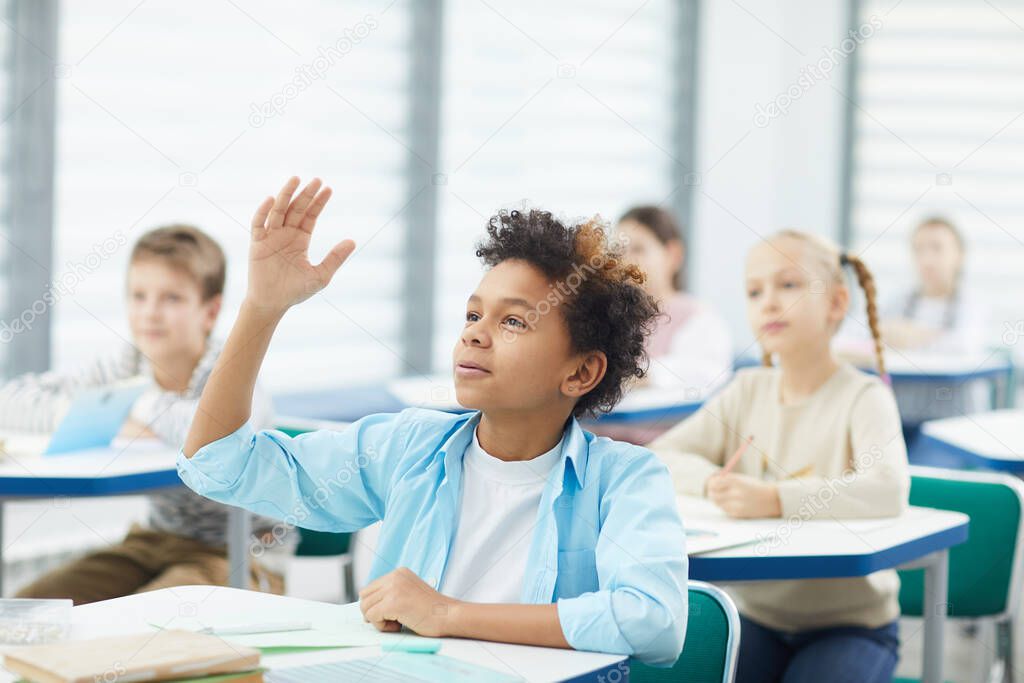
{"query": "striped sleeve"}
(37, 401)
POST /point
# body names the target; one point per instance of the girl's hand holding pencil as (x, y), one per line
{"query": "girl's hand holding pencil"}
(740, 495)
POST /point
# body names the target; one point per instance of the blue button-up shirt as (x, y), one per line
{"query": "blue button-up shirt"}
(608, 547)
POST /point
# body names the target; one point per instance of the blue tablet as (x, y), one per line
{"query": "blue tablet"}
(95, 418)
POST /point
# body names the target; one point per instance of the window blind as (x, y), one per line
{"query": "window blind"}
(939, 129)
(166, 115)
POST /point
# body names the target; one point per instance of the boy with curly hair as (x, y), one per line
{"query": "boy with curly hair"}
(506, 523)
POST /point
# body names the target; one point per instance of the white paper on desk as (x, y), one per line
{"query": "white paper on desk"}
(345, 628)
(343, 637)
(706, 538)
(23, 444)
(709, 529)
(347, 635)
(702, 514)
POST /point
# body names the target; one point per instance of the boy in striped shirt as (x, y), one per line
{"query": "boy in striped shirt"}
(175, 286)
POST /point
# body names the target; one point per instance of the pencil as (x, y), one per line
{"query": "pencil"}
(737, 455)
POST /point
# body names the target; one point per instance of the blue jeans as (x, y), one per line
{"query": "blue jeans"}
(837, 655)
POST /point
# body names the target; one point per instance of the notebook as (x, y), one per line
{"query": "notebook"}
(160, 656)
(93, 419)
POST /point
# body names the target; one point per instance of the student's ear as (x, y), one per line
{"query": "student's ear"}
(211, 309)
(676, 254)
(840, 304)
(589, 372)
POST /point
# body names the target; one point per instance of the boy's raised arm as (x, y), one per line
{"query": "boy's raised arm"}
(280, 276)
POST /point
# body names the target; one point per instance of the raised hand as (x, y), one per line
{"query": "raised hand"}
(280, 274)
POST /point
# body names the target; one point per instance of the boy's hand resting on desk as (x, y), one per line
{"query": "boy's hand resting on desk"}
(745, 497)
(280, 274)
(133, 429)
(400, 598)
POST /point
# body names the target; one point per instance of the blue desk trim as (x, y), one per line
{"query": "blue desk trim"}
(674, 412)
(938, 377)
(34, 487)
(938, 453)
(708, 568)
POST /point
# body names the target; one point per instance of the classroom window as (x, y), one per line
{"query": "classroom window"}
(201, 129)
(6, 47)
(938, 130)
(571, 108)
(581, 109)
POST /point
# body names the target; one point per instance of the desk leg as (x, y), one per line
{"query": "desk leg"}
(936, 595)
(239, 530)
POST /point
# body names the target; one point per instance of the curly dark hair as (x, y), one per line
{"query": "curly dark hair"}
(607, 309)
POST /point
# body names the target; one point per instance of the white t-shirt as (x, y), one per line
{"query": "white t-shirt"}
(969, 318)
(497, 518)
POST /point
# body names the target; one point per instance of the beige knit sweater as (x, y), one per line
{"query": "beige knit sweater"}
(837, 454)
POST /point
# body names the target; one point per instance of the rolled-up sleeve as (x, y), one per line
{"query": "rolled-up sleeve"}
(323, 480)
(640, 609)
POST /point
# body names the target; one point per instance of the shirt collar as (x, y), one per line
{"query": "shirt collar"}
(574, 444)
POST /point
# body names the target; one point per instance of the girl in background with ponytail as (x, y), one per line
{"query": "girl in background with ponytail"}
(826, 443)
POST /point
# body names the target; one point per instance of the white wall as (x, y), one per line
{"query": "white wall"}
(784, 174)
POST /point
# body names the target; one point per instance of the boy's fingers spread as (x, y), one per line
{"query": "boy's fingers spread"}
(259, 219)
(337, 256)
(277, 213)
(315, 208)
(298, 207)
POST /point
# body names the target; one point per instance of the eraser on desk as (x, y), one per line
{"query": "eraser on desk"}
(426, 646)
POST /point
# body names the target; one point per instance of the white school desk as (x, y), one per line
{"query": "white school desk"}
(141, 467)
(993, 441)
(348, 404)
(184, 604)
(921, 538)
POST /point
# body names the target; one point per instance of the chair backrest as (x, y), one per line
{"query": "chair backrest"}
(712, 642)
(984, 571)
(315, 543)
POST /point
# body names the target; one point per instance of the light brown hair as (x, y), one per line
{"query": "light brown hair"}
(834, 261)
(189, 250)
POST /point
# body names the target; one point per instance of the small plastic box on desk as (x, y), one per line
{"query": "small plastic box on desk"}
(34, 622)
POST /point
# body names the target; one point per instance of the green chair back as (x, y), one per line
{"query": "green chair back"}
(322, 543)
(983, 571)
(712, 642)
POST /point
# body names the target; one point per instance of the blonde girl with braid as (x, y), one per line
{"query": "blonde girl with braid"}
(826, 445)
